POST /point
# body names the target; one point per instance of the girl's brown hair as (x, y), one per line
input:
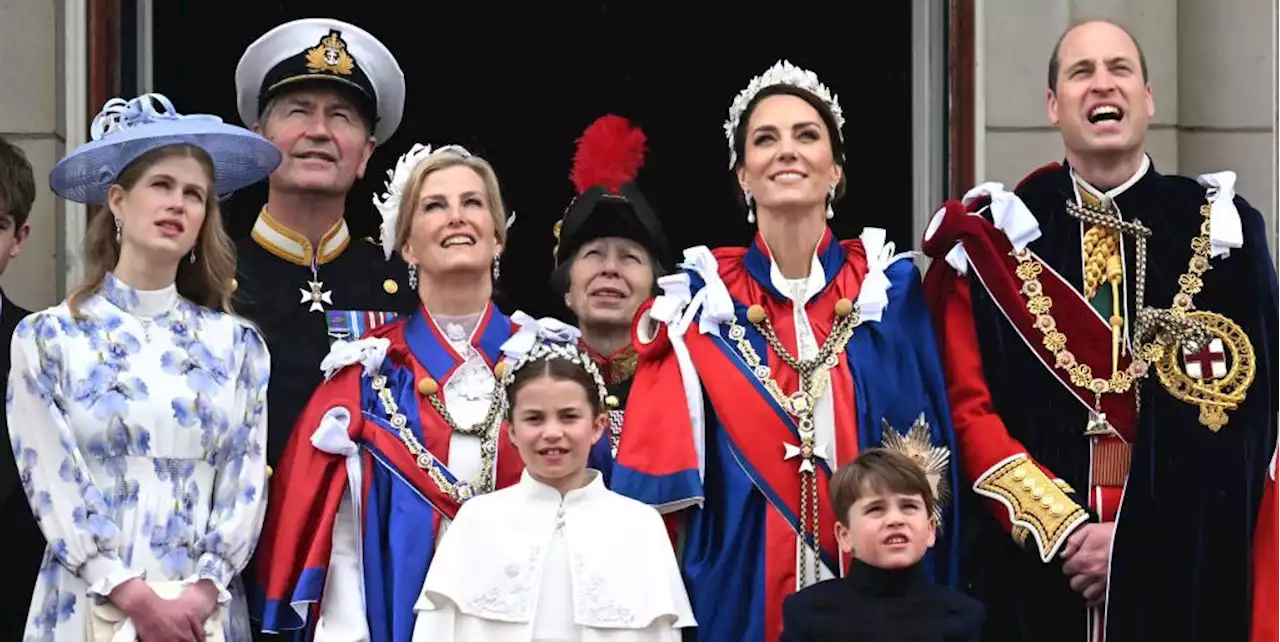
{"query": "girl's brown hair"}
(878, 470)
(559, 369)
(207, 282)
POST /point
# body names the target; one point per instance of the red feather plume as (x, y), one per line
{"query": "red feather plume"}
(610, 153)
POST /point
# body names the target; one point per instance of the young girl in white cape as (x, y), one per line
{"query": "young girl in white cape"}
(557, 557)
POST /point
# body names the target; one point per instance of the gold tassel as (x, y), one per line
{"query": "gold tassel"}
(1115, 273)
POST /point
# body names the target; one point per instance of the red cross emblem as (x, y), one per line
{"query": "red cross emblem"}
(1209, 362)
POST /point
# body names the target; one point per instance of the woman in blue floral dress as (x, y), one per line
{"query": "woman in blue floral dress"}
(138, 407)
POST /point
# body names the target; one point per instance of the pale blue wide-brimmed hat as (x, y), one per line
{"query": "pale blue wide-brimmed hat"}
(125, 130)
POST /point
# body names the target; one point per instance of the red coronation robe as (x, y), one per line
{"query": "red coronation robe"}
(403, 498)
(1184, 498)
(708, 440)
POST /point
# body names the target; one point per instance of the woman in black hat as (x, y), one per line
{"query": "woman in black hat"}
(609, 254)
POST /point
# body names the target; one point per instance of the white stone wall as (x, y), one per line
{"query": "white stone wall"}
(30, 117)
(1211, 65)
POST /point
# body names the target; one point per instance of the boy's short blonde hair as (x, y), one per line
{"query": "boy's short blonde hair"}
(878, 470)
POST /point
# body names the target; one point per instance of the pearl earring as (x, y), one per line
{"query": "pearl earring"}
(751, 206)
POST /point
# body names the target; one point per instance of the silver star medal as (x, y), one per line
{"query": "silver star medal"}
(316, 296)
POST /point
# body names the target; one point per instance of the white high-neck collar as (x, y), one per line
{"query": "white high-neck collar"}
(139, 303)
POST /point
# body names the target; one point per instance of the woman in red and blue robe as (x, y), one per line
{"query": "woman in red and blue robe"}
(406, 427)
(723, 433)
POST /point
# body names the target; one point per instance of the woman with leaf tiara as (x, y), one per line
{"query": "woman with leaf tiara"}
(764, 368)
(407, 425)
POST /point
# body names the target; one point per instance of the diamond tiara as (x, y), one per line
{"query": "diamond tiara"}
(546, 348)
(781, 73)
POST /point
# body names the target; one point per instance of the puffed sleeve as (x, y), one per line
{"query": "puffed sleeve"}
(69, 506)
(240, 480)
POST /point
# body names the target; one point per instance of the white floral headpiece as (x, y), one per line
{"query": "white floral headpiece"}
(781, 73)
(398, 179)
(545, 338)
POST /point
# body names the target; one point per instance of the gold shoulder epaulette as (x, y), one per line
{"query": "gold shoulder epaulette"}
(1036, 503)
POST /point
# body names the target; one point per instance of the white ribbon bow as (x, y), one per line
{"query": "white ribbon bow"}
(368, 352)
(874, 296)
(1225, 232)
(713, 299)
(1009, 214)
(531, 330)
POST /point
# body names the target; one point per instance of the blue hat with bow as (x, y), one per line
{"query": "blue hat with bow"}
(125, 130)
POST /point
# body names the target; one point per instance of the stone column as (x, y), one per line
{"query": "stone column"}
(1226, 88)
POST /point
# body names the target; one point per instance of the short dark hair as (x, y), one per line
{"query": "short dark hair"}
(555, 368)
(1055, 63)
(878, 470)
(17, 184)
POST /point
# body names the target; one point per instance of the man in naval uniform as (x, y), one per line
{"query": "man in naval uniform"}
(1109, 337)
(326, 93)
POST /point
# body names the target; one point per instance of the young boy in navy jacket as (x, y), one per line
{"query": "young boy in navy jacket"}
(884, 505)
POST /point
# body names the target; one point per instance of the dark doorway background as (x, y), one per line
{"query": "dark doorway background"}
(518, 90)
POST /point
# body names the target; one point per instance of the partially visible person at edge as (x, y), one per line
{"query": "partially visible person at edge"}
(23, 541)
(326, 93)
(407, 426)
(799, 352)
(139, 403)
(609, 251)
(554, 538)
(1109, 335)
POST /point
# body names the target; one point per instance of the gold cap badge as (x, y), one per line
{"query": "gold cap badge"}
(330, 56)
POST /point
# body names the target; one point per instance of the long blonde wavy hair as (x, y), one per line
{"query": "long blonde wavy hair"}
(207, 282)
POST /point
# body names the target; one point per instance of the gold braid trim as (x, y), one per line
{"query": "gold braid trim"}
(1101, 244)
(1036, 504)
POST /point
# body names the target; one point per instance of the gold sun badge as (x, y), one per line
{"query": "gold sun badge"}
(918, 444)
(330, 56)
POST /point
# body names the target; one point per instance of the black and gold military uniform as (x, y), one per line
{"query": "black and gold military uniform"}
(303, 298)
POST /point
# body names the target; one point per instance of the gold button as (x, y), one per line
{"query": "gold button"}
(1028, 484)
(235, 285)
(611, 401)
(428, 386)
(500, 369)
(1058, 510)
(1037, 492)
(391, 286)
(1019, 473)
(270, 471)
(844, 307)
(1046, 501)
(755, 314)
